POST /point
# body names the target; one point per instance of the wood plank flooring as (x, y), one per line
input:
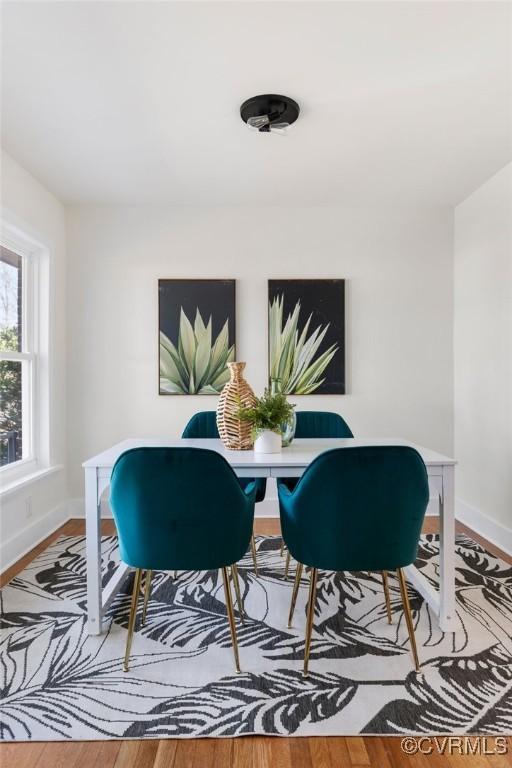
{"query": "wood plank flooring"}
(247, 751)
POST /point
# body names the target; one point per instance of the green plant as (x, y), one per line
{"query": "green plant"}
(196, 366)
(292, 355)
(269, 412)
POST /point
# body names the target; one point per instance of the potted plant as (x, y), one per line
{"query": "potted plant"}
(266, 418)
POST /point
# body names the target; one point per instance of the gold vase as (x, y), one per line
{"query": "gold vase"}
(235, 434)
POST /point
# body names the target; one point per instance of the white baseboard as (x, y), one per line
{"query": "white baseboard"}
(496, 533)
(29, 537)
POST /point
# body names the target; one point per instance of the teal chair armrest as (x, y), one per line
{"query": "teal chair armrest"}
(259, 482)
(251, 490)
(283, 491)
(289, 482)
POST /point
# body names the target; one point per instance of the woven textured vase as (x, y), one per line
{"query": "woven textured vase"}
(235, 434)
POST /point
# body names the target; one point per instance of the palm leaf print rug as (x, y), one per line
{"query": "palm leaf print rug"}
(57, 682)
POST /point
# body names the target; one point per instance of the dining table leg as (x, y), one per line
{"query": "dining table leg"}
(93, 552)
(447, 609)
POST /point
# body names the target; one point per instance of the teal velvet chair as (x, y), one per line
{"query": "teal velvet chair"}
(315, 424)
(183, 509)
(204, 425)
(356, 509)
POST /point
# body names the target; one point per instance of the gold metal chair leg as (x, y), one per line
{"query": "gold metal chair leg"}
(147, 591)
(236, 582)
(310, 618)
(295, 592)
(175, 575)
(282, 547)
(231, 617)
(133, 616)
(254, 555)
(408, 618)
(287, 564)
(385, 586)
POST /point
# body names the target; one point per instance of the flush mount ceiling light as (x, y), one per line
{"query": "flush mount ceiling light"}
(269, 113)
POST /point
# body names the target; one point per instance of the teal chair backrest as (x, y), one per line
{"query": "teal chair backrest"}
(179, 509)
(202, 425)
(309, 424)
(321, 424)
(357, 509)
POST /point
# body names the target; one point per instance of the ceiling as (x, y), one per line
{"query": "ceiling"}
(118, 102)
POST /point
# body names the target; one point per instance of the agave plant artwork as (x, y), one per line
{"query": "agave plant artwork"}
(197, 365)
(294, 358)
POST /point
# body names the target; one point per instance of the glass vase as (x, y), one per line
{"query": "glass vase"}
(288, 427)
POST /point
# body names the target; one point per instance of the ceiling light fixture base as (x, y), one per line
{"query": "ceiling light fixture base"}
(268, 110)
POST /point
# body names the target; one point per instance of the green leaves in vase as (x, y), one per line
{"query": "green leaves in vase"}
(270, 411)
(196, 366)
(293, 355)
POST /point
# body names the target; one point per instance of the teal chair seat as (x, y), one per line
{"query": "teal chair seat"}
(356, 509)
(179, 509)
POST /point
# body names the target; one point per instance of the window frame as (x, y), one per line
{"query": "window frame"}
(32, 254)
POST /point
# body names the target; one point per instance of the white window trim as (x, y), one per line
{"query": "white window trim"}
(35, 333)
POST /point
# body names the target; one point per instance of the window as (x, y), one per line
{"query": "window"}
(25, 447)
(17, 359)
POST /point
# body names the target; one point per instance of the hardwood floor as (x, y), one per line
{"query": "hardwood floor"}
(247, 751)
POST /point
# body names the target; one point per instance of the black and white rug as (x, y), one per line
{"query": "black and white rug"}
(59, 683)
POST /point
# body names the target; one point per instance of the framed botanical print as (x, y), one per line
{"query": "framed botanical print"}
(307, 336)
(196, 335)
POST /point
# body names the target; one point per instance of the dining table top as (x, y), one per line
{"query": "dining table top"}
(300, 453)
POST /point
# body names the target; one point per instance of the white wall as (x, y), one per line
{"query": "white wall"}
(483, 357)
(30, 513)
(399, 268)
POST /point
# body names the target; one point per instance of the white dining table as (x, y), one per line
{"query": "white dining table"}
(290, 462)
